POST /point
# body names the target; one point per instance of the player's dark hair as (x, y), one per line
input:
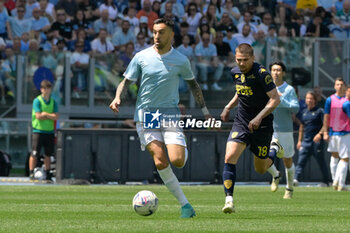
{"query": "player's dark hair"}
(340, 79)
(167, 22)
(245, 49)
(279, 63)
(313, 95)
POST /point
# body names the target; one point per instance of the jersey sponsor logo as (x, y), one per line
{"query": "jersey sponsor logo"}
(234, 134)
(244, 90)
(268, 79)
(237, 76)
(228, 184)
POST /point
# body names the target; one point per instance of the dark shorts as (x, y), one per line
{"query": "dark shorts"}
(40, 140)
(259, 140)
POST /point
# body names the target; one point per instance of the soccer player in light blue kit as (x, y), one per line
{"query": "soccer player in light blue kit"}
(160, 68)
(283, 127)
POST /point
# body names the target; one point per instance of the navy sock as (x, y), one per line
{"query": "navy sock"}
(229, 178)
(272, 155)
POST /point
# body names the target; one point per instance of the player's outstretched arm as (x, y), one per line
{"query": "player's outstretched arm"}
(226, 111)
(198, 96)
(120, 93)
(270, 106)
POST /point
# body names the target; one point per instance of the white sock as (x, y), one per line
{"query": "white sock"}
(186, 157)
(343, 170)
(173, 185)
(333, 167)
(290, 176)
(228, 198)
(273, 171)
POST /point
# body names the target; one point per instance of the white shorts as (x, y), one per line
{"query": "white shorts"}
(287, 141)
(340, 144)
(165, 135)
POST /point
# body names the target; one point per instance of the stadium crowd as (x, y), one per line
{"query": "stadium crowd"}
(207, 32)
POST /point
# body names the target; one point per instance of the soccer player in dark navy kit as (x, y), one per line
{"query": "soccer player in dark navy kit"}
(256, 97)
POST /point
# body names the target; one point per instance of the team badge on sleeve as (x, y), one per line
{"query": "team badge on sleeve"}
(268, 79)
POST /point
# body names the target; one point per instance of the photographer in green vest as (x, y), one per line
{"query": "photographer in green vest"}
(44, 114)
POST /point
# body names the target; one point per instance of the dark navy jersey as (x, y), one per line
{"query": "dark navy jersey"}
(251, 89)
(312, 121)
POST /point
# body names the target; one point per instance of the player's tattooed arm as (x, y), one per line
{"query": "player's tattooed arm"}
(120, 93)
(198, 96)
(196, 92)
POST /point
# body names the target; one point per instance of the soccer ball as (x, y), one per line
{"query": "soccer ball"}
(145, 203)
(39, 173)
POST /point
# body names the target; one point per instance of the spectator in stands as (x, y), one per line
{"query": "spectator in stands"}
(111, 7)
(266, 22)
(232, 11)
(271, 36)
(192, 17)
(168, 13)
(10, 5)
(211, 16)
(70, 7)
(176, 8)
(317, 29)
(62, 28)
(225, 23)
(3, 20)
(30, 6)
(140, 43)
(233, 42)
(298, 28)
(122, 36)
(282, 32)
(91, 12)
(156, 7)
(48, 10)
(343, 19)
(337, 6)
(247, 17)
(224, 52)
(24, 42)
(9, 69)
(184, 26)
(79, 65)
(81, 36)
(80, 22)
(286, 8)
(17, 46)
(133, 20)
(2, 47)
(259, 47)
(245, 36)
(104, 23)
(39, 23)
(128, 54)
(101, 45)
(218, 8)
(143, 28)
(205, 28)
(147, 11)
(208, 62)
(256, 20)
(123, 4)
(16, 25)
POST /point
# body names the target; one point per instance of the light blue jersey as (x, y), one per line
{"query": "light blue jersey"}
(160, 76)
(282, 121)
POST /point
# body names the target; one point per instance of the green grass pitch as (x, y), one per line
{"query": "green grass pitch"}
(98, 208)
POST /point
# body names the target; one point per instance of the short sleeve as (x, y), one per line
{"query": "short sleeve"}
(36, 105)
(133, 71)
(266, 79)
(186, 71)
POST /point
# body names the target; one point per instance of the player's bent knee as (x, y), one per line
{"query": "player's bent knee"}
(260, 170)
(179, 163)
